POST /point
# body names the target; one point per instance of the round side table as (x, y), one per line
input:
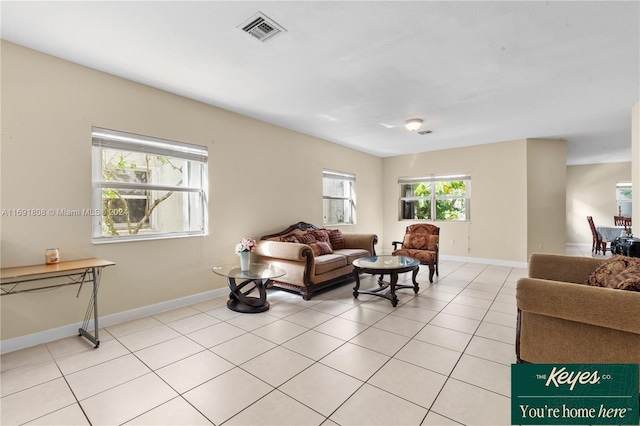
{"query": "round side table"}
(256, 278)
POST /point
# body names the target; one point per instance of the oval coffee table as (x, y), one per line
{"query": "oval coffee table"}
(256, 277)
(386, 265)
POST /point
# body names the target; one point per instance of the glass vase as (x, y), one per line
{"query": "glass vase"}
(245, 260)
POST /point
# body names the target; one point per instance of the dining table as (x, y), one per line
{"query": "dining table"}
(610, 233)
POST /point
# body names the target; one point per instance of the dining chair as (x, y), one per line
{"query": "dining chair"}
(622, 221)
(597, 243)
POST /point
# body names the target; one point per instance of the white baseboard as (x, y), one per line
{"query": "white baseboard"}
(496, 262)
(509, 263)
(34, 339)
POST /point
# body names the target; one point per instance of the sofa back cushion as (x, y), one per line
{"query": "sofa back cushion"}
(336, 239)
(619, 272)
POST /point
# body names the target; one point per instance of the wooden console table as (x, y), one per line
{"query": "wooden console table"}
(14, 280)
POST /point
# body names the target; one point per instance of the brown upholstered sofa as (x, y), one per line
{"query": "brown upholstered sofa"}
(563, 320)
(308, 268)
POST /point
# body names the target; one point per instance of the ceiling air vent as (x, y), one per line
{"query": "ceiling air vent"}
(261, 27)
(425, 132)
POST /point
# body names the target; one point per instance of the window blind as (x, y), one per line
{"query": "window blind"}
(434, 178)
(338, 175)
(113, 139)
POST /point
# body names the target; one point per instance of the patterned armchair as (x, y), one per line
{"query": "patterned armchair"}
(421, 242)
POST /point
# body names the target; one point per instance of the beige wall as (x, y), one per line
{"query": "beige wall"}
(635, 156)
(546, 195)
(517, 206)
(498, 226)
(591, 191)
(262, 178)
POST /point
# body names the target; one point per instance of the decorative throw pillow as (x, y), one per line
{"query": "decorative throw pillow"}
(289, 238)
(320, 247)
(610, 268)
(306, 238)
(629, 279)
(320, 235)
(336, 239)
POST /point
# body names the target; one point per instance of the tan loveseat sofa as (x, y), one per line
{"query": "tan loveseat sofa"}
(307, 271)
(563, 320)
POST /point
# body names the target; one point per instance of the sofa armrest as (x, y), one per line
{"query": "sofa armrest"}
(361, 241)
(555, 267)
(604, 307)
(281, 250)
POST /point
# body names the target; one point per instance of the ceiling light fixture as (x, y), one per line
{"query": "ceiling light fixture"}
(413, 124)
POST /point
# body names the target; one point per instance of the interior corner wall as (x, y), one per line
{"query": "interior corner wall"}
(262, 179)
(635, 168)
(591, 191)
(498, 226)
(546, 196)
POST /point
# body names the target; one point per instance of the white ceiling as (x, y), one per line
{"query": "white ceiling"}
(352, 72)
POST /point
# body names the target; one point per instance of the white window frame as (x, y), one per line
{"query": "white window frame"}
(433, 197)
(112, 139)
(348, 179)
(122, 226)
(623, 185)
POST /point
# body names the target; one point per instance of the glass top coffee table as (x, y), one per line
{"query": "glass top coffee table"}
(386, 265)
(256, 277)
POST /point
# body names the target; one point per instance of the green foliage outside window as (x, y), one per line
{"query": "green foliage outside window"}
(450, 198)
(120, 206)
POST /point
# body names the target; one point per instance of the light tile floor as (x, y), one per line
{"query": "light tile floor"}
(440, 357)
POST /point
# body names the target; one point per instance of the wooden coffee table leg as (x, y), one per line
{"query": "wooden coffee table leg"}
(392, 289)
(416, 287)
(356, 275)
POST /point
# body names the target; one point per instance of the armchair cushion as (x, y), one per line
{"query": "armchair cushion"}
(420, 241)
(424, 256)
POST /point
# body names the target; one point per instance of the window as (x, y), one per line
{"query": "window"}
(435, 198)
(623, 199)
(338, 198)
(147, 188)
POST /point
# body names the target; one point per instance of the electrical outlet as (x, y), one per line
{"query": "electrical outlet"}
(540, 246)
(452, 242)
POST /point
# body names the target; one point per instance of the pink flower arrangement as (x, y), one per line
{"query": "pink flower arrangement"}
(246, 244)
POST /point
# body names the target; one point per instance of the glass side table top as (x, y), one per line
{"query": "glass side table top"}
(386, 262)
(257, 271)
